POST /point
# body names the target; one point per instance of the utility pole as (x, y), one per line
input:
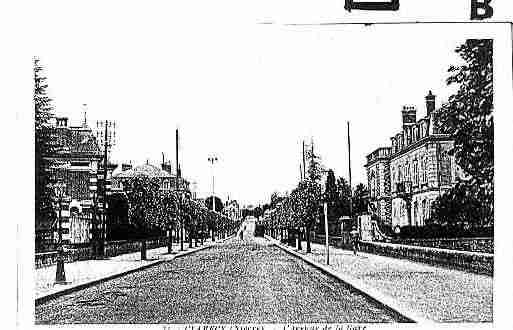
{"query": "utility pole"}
(178, 193)
(350, 184)
(326, 239)
(106, 137)
(104, 191)
(170, 225)
(304, 161)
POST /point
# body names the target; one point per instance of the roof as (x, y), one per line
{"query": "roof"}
(145, 170)
(77, 141)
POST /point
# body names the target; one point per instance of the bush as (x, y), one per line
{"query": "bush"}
(447, 231)
(120, 232)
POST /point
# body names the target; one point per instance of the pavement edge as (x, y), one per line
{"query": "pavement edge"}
(380, 298)
(54, 295)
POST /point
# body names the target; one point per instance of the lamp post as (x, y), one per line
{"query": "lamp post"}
(213, 159)
(95, 228)
(60, 274)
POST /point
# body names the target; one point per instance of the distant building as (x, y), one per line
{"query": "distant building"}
(167, 181)
(232, 210)
(405, 178)
(77, 166)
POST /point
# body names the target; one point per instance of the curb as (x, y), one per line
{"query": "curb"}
(51, 296)
(376, 296)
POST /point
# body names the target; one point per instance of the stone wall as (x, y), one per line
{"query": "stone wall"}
(483, 245)
(343, 241)
(112, 249)
(481, 263)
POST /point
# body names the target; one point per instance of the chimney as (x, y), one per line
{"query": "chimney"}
(409, 115)
(61, 121)
(84, 123)
(430, 103)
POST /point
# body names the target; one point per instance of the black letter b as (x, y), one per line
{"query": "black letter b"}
(480, 4)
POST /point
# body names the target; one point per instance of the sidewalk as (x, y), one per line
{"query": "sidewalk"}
(82, 273)
(435, 293)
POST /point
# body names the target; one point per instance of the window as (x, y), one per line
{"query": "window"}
(445, 168)
(415, 213)
(415, 173)
(424, 211)
(426, 169)
(373, 184)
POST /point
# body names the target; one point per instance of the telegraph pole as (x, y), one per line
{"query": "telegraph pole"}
(170, 224)
(104, 192)
(350, 185)
(304, 161)
(108, 141)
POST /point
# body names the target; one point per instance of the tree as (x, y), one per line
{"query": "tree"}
(315, 169)
(333, 199)
(145, 207)
(468, 117)
(45, 147)
(459, 208)
(344, 192)
(310, 192)
(309, 206)
(258, 212)
(275, 199)
(218, 201)
(330, 191)
(144, 211)
(360, 199)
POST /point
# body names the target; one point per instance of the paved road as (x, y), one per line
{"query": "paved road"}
(247, 281)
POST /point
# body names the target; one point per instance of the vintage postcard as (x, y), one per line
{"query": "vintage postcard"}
(268, 165)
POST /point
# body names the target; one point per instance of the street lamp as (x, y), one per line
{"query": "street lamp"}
(213, 159)
(96, 229)
(60, 274)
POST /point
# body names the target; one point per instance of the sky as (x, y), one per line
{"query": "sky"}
(245, 91)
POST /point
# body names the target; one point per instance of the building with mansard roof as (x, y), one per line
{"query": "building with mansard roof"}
(167, 181)
(406, 177)
(77, 163)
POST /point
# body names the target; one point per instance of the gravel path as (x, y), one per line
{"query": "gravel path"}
(234, 282)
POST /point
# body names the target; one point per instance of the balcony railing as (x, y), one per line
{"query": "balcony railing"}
(378, 154)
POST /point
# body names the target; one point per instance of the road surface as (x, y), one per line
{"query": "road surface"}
(248, 281)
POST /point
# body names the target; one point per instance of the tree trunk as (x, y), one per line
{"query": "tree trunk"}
(143, 249)
(190, 238)
(299, 247)
(170, 240)
(291, 237)
(181, 237)
(308, 239)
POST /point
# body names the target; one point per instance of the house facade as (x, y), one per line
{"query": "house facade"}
(167, 181)
(405, 178)
(76, 168)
